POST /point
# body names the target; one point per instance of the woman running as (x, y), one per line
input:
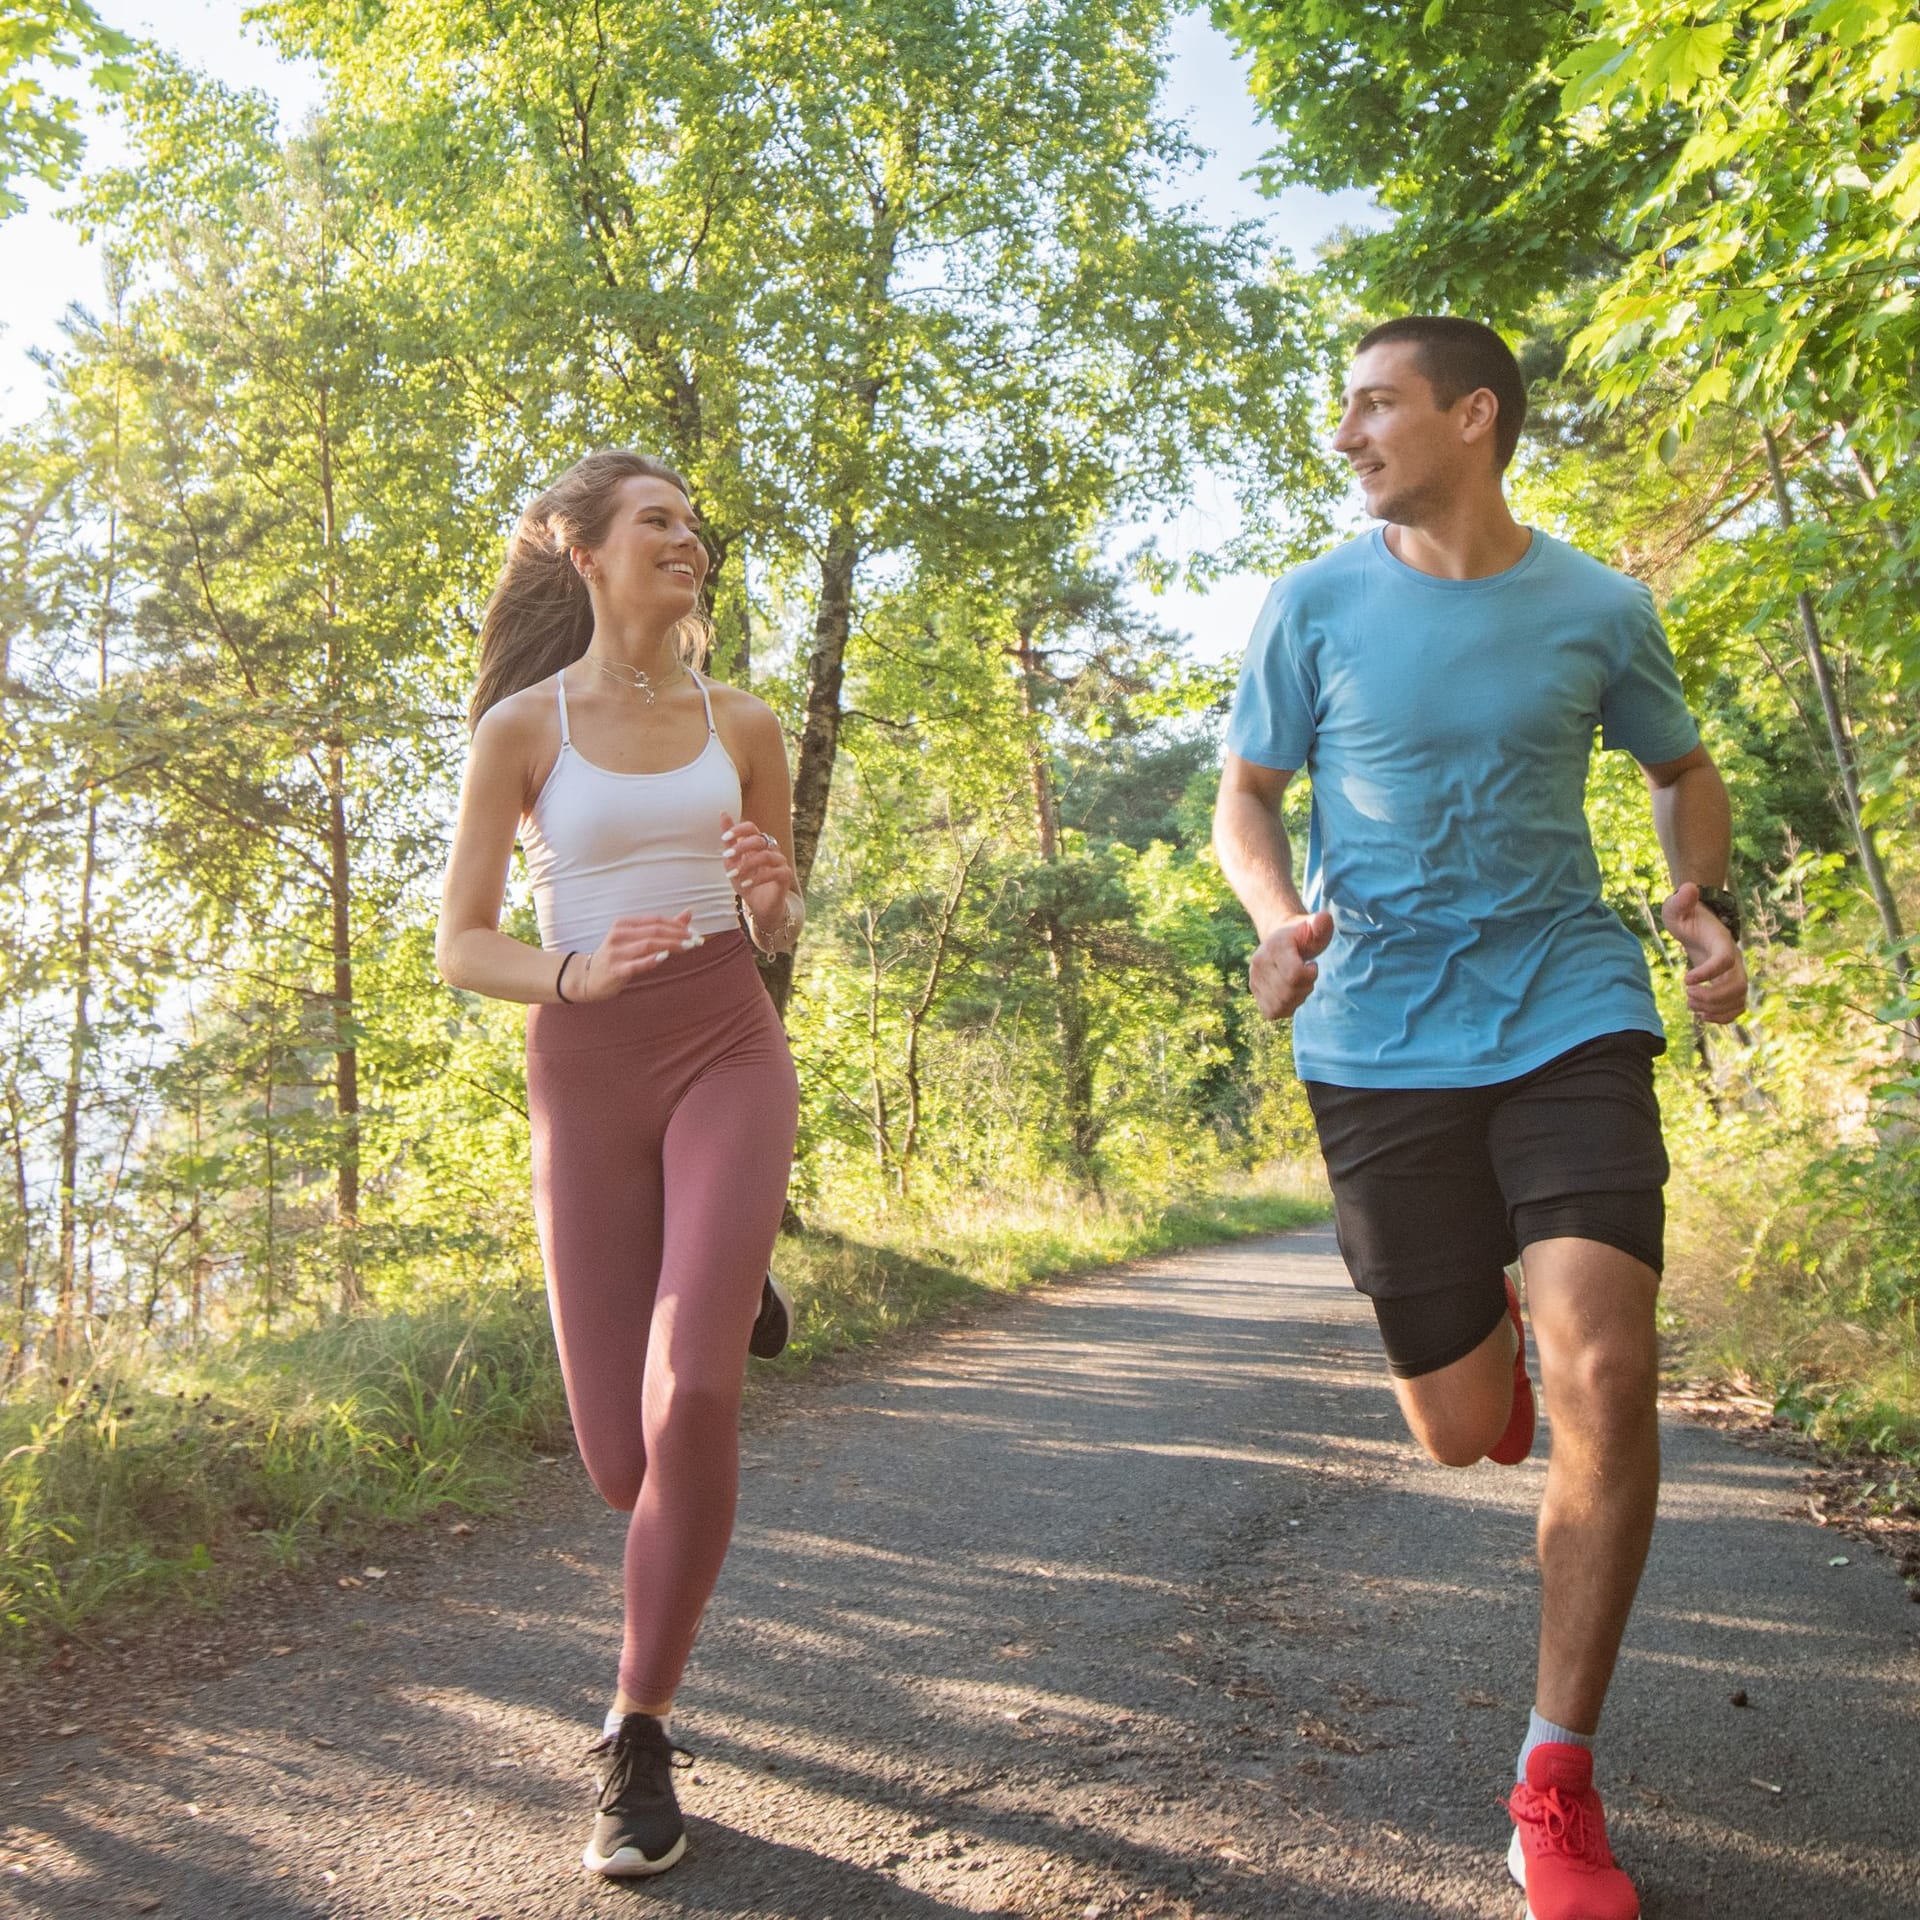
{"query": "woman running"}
(661, 1093)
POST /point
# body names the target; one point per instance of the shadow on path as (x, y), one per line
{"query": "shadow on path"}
(1129, 1600)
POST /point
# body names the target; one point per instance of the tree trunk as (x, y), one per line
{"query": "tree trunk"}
(833, 617)
(1056, 936)
(820, 727)
(23, 1238)
(729, 612)
(80, 1041)
(920, 1011)
(270, 1280)
(346, 1052)
(878, 1118)
(1840, 737)
(196, 1231)
(67, 1256)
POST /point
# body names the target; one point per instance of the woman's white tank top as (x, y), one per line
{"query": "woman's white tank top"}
(601, 844)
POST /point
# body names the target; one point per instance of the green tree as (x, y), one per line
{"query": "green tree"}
(287, 546)
(891, 282)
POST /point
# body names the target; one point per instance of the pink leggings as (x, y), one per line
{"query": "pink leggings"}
(663, 1125)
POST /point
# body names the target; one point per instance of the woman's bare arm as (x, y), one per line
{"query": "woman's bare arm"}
(763, 875)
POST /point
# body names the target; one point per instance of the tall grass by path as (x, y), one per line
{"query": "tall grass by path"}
(143, 1480)
(146, 1482)
(1782, 1280)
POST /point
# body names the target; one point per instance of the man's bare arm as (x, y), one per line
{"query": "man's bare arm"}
(1250, 839)
(1692, 816)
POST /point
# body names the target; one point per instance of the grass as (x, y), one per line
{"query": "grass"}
(856, 1289)
(1804, 1292)
(140, 1482)
(1850, 1382)
(147, 1482)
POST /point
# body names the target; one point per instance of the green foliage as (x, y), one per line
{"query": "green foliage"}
(39, 134)
(903, 291)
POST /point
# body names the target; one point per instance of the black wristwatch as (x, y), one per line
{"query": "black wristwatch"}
(1724, 904)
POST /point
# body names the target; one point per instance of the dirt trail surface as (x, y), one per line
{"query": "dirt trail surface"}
(1128, 1600)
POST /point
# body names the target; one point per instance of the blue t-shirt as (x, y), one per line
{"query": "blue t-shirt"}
(1448, 727)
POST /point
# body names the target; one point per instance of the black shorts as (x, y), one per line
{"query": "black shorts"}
(1437, 1189)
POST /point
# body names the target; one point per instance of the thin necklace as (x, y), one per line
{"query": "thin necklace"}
(634, 679)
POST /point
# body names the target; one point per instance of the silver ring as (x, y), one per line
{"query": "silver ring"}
(770, 840)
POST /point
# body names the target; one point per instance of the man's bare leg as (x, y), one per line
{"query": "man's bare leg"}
(1458, 1411)
(1592, 1309)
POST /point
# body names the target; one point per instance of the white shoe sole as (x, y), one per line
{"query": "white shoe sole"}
(1517, 1866)
(629, 1863)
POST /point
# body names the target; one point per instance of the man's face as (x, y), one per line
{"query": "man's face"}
(1409, 455)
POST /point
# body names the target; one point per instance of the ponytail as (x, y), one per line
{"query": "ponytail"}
(539, 618)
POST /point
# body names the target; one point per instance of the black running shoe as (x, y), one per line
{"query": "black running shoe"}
(773, 1326)
(639, 1830)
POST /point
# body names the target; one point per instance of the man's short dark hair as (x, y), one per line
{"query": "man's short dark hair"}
(1458, 357)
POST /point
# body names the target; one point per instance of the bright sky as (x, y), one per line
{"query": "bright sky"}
(44, 269)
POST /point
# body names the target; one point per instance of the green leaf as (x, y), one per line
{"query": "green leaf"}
(1900, 184)
(1712, 388)
(1592, 72)
(1898, 58)
(1682, 60)
(1851, 21)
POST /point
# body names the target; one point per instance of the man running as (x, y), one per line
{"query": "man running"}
(1475, 1027)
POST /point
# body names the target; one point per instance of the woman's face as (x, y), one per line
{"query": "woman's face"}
(652, 563)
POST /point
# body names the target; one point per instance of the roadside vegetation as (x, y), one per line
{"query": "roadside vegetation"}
(141, 1483)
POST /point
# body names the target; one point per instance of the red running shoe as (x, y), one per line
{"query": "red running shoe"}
(1559, 1853)
(1516, 1443)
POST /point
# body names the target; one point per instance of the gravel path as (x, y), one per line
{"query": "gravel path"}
(1128, 1600)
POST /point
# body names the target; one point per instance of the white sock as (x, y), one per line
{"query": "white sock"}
(1542, 1733)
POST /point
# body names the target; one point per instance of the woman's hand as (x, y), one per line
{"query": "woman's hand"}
(636, 943)
(760, 871)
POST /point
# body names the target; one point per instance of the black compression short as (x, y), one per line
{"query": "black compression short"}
(1437, 1189)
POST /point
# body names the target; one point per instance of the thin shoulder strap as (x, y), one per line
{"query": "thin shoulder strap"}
(707, 698)
(560, 688)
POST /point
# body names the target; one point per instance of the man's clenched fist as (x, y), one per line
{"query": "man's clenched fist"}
(1282, 971)
(1716, 978)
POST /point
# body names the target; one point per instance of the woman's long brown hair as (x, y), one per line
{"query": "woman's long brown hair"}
(540, 615)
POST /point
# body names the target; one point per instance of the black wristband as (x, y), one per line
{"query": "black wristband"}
(560, 981)
(1724, 904)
